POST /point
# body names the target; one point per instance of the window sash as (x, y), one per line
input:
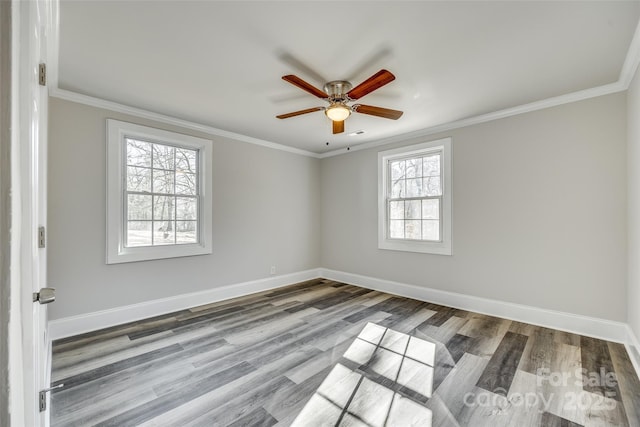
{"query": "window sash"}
(440, 213)
(153, 218)
(389, 186)
(153, 194)
(182, 242)
(402, 208)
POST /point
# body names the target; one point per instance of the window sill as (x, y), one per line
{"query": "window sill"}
(147, 253)
(435, 248)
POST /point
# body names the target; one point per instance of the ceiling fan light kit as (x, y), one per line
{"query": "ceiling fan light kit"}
(337, 112)
(339, 93)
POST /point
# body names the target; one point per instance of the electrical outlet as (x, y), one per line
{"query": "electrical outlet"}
(273, 270)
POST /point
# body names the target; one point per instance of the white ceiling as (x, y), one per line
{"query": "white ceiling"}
(220, 63)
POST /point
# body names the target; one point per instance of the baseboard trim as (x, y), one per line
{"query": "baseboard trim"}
(75, 325)
(583, 325)
(633, 348)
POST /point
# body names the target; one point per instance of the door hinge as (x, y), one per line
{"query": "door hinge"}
(45, 296)
(41, 237)
(42, 74)
(42, 397)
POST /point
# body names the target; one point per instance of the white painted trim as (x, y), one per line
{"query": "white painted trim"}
(501, 114)
(496, 115)
(52, 29)
(116, 251)
(633, 349)
(161, 118)
(74, 325)
(443, 247)
(18, 352)
(631, 61)
(583, 325)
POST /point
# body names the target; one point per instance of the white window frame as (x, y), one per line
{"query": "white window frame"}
(117, 252)
(442, 247)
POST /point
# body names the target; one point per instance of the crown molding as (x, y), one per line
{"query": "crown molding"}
(629, 67)
(628, 71)
(484, 118)
(632, 60)
(162, 118)
(489, 117)
(53, 48)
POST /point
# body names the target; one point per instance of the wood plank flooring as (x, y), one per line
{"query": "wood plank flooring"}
(327, 353)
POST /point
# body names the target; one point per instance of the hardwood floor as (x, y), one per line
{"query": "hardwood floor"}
(326, 353)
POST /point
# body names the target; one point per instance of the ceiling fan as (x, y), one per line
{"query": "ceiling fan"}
(339, 93)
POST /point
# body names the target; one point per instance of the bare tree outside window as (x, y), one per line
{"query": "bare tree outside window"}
(415, 192)
(414, 198)
(162, 194)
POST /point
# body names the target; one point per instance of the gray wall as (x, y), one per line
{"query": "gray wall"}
(265, 212)
(539, 212)
(633, 162)
(540, 215)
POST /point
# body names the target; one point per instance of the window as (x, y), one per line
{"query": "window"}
(414, 191)
(158, 194)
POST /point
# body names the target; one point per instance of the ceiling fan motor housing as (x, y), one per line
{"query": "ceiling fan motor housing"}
(337, 90)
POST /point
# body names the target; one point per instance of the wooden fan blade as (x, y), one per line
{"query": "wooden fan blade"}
(297, 81)
(297, 113)
(338, 126)
(377, 111)
(374, 82)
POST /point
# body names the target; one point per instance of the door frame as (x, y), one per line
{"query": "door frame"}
(28, 357)
(8, 285)
(33, 111)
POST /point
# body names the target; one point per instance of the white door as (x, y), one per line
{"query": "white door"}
(33, 18)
